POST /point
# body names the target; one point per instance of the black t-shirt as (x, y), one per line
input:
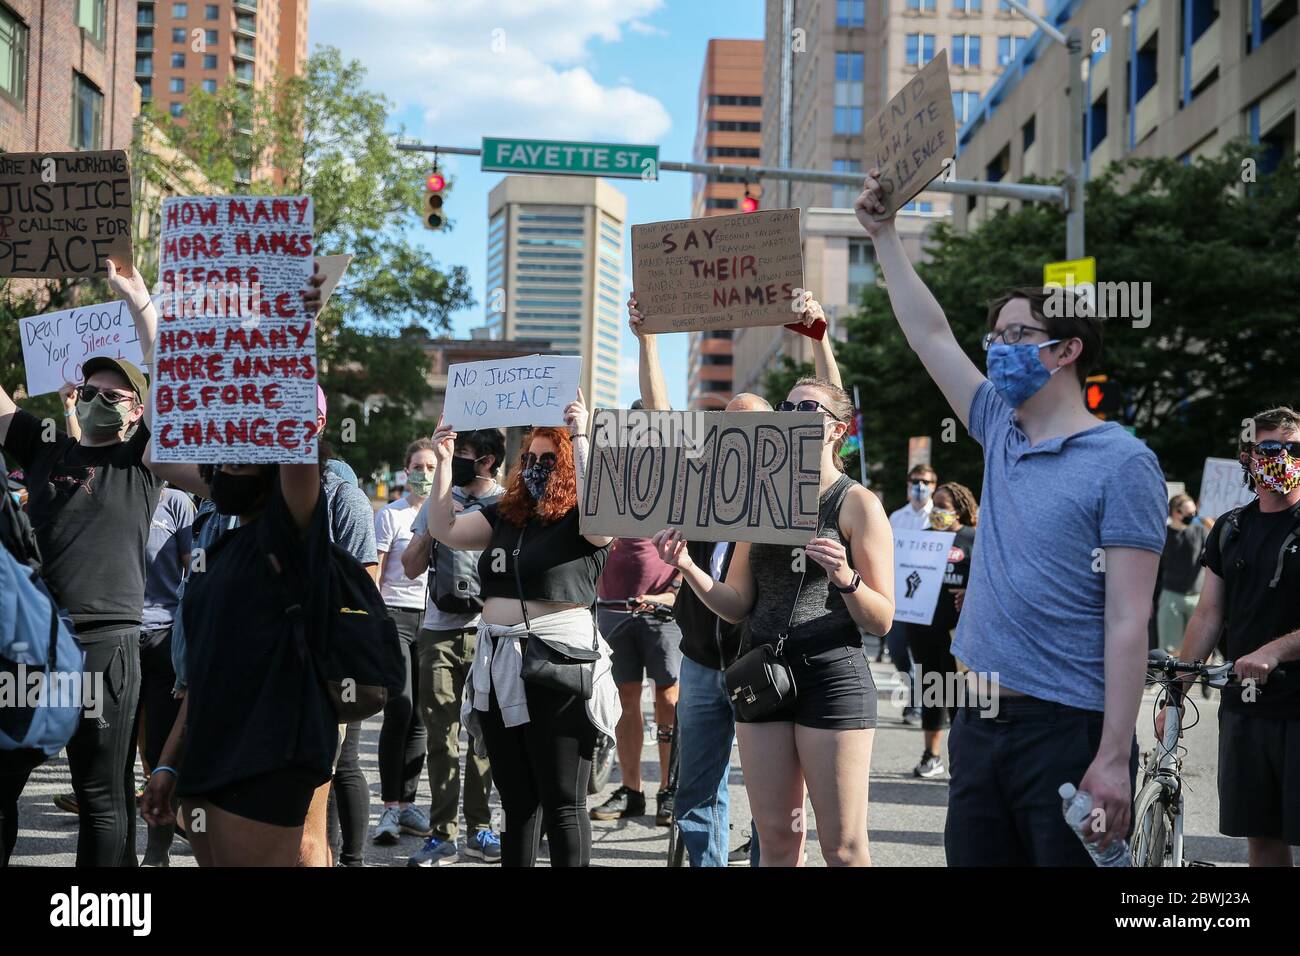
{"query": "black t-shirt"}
(954, 577)
(702, 630)
(556, 563)
(1180, 565)
(91, 508)
(1253, 612)
(255, 705)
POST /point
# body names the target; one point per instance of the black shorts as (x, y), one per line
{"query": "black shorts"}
(280, 798)
(642, 646)
(1259, 776)
(834, 690)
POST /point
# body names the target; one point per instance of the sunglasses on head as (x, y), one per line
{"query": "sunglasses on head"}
(547, 459)
(114, 396)
(807, 405)
(1272, 448)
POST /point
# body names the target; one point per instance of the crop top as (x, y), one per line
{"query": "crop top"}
(557, 564)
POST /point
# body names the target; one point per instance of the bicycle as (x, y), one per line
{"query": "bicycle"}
(1158, 810)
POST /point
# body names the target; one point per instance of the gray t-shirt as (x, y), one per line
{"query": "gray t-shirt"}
(170, 541)
(436, 619)
(1034, 614)
(351, 517)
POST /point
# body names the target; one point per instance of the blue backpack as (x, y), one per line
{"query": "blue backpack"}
(35, 712)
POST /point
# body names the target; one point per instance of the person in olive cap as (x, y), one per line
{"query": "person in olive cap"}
(90, 501)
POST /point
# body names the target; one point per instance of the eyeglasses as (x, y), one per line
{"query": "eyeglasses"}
(807, 405)
(1272, 448)
(87, 393)
(1010, 335)
(547, 459)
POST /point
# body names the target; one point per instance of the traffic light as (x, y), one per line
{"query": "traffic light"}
(749, 203)
(434, 188)
(1102, 396)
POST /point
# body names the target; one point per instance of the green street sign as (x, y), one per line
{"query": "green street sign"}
(556, 158)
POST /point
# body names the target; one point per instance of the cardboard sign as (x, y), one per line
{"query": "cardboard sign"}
(62, 214)
(911, 137)
(500, 393)
(1222, 488)
(716, 476)
(235, 359)
(721, 272)
(920, 560)
(57, 344)
(332, 268)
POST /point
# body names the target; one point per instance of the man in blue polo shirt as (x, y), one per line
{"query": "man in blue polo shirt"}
(1054, 627)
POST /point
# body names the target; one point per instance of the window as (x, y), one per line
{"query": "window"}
(733, 126)
(209, 86)
(964, 105)
(850, 13)
(211, 11)
(144, 16)
(965, 50)
(714, 203)
(13, 56)
(862, 269)
(177, 84)
(920, 48)
(180, 11)
(848, 93)
(87, 114)
(842, 195)
(735, 100)
(1009, 49)
(1096, 122)
(210, 37)
(209, 61)
(739, 152)
(926, 6)
(179, 35)
(178, 61)
(967, 6)
(176, 110)
(919, 208)
(92, 16)
(144, 65)
(1027, 133)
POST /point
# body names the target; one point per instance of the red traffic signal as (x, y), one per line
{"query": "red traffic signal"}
(435, 183)
(749, 204)
(1102, 396)
(434, 186)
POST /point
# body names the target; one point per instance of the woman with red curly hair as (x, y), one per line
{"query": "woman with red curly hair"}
(538, 581)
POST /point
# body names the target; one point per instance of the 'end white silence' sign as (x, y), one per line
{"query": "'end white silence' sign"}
(500, 393)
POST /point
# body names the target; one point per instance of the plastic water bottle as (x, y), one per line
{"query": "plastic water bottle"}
(1077, 806)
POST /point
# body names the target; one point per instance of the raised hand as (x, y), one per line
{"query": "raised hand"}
(311, 296)
(635, 319)
(671, 547)
(129, 288)
(871, 202)
(444, 443)
(575, 416)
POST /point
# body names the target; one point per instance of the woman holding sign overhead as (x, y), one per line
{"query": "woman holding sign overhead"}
(541, 687)
(814, 725)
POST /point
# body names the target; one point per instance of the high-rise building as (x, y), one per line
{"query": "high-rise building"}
(1169, 79)
(182, 46)
(65, 75)
(730, 131)
(830, 65)
(555, 272)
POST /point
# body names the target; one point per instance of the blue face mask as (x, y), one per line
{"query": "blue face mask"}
(1017, 372)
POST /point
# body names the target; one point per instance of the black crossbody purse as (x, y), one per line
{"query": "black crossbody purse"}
(568, 671)
(761, 681)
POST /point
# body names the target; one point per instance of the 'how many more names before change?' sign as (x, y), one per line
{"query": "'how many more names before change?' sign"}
(718, 272)
(715, 476)
(235, 359)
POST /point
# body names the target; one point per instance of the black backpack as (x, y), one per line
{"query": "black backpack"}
(453, 584)
(16, 532)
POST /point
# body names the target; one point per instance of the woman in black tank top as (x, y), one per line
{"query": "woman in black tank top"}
(821, 599)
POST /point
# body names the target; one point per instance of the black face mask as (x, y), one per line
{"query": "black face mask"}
(464, 471)
(238, 494)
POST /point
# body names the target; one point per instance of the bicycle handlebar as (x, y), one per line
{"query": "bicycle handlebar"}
(660, 611)
(1216, 675)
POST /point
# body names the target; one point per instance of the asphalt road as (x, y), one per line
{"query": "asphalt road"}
(906, 816)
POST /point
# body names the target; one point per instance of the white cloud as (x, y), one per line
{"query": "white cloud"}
(497, 67)
(646, 29)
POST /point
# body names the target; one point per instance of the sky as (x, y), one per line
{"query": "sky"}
(589, 70)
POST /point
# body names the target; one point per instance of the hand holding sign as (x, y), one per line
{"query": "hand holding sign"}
(870, 204)
(575, 416)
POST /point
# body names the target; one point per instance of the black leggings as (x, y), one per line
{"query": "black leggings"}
(15, 767)
(541, 770)
(402, 737)
(931, 648)
(157, 707)
(350, 802)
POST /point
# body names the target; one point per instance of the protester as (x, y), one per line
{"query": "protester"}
(1181, 572)
(538, 574)
(930, 644)
(822, 739)
(402, 736)
(91, 501)
(447, 644)
(913, 516)
(1252, 589)
(1055, 615)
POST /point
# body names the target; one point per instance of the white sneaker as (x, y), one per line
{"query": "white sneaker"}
(389, 828)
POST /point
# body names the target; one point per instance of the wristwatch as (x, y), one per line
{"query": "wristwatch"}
(852, 585)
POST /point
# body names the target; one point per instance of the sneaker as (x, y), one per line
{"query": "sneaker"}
(623, 802)
(740, 855)
(664, 808)
(484, 846)
(436, 852)
(415, 821)
(387, 832)
(67, 802)
(930, 766)
(912, 716)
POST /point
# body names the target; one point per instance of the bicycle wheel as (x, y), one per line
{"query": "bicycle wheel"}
(602, 765)
(676, 847)
(1152, 827)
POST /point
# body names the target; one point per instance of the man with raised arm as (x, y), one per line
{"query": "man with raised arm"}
(1054, 625)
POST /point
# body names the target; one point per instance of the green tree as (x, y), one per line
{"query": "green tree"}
(1224, 272)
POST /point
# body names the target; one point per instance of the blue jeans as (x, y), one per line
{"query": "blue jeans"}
(706, 729)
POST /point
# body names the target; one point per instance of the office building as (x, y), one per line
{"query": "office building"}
(1172, 79)
(729, 131)
(555, 272)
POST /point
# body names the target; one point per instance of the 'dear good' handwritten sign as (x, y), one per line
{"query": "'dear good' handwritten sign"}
(62, 214)
(499, 393)
(235, 359)
(721, 272)
(717, 476)
(911, 137)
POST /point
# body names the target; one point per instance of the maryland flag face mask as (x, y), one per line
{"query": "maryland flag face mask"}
(1279, 474)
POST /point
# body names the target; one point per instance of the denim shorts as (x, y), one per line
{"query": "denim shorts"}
(834, 690)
